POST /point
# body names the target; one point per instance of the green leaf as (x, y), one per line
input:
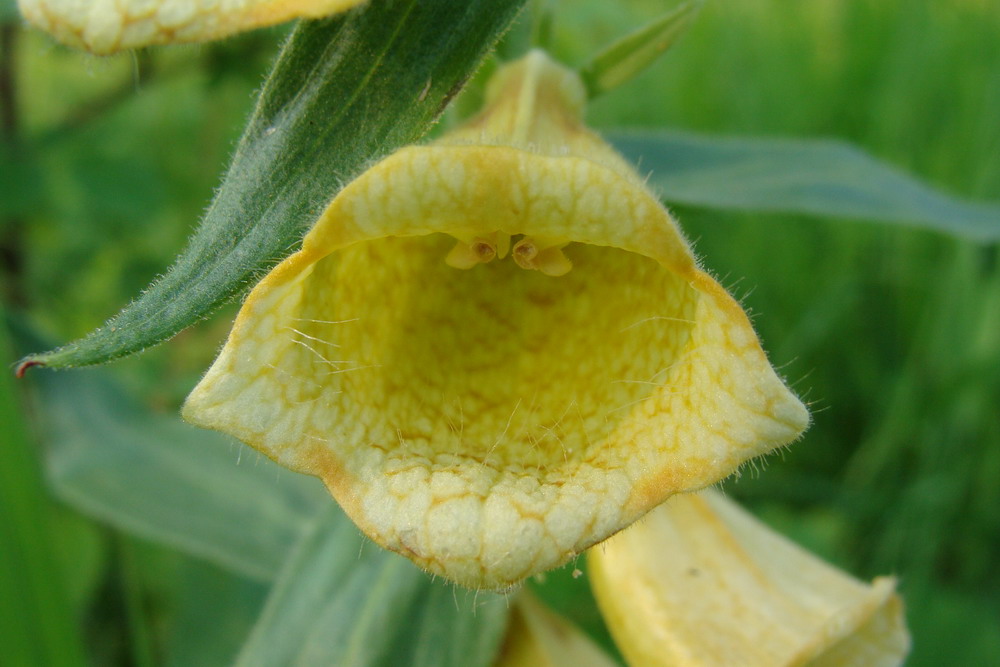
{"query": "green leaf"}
(37, 616)
(798, 176)
(633, 53)
(21, 188)
(953, 627)
(341, 600)
(452, 627)
(344, 92)
(150, 474)
(214, 611)
(8, 10)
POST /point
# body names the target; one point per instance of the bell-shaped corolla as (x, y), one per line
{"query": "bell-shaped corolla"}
(108, 26)
(699, 582)
(498, 349)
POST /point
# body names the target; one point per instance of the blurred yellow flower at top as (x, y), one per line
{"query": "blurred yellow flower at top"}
(108, 26)
(498, 349)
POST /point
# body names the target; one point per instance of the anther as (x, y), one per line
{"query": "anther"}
(542, 255)
(478, 250)
(467, 255)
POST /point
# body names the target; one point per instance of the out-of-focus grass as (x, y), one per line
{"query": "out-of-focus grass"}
(41, 590)
(893, 335)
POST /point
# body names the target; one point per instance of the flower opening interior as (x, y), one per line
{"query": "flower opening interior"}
(496, 365)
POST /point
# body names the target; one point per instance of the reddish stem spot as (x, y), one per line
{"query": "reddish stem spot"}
(25, 365)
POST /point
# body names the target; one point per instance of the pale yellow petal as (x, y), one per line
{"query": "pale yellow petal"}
(488, 421)
(107, 26)
(700, 583)
(538, 637)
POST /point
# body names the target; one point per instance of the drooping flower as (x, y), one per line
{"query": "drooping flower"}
(699, 582)
(498, 349)
(538, 637)
(108, 26)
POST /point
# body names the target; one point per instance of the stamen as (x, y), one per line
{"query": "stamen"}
(466, 255)
(478, 250)
(483, 251)
(525, 252)
(542, 255)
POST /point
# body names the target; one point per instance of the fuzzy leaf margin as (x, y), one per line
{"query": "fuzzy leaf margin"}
(344, 92)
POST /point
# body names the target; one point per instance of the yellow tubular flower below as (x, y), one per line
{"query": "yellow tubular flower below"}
(538, 637)
(699, 583)
(108, 26)
(489, 416)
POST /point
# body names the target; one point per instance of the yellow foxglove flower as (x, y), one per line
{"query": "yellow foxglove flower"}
(498, 349)
(699, 583)
(538, 637)
(107, 26)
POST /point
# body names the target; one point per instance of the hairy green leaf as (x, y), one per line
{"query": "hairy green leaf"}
(825, 178)
(344, 92)
(341, 600)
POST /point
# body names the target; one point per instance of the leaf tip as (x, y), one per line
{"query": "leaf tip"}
(24, 365)
(625, 58)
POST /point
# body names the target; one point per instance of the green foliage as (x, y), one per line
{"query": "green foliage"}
(37, 619)
(340, 601)
(787, 176)
(622, 60)
(8, 10)
(344, 91)
(213, 612)
(156, 477)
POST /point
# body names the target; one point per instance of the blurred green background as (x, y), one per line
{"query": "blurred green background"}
(891, 333)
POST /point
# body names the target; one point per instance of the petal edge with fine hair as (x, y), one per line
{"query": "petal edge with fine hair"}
(498, 349)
